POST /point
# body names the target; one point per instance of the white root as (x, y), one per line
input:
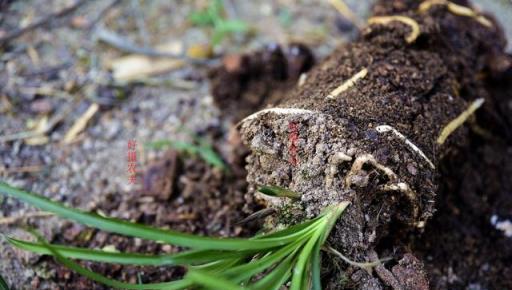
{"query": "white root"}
(363, 265)
(415, 28)
(414, 148)
(302, 79)
(279, 111)
(344, 10)
(457, 122)
(335, 160)
(347, 84)
(394, 184)
(457, 10)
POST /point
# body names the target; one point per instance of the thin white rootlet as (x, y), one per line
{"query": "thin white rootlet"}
(347, 84)
(387, 128)
(279, 111)
(457, 122)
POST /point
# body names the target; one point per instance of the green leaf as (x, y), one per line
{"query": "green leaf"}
(210, 281)
(211, 157)
(217, 37)
(3, 284)
(178, 145)
(278, 191)
(316, 267)
(277, 277)
(248, 270)
(174, 285)
(232, 26)
(200, 18)
(185, 258)
(333, 213)
(292, 229)
(204, 150)
(299, 272)
(141, 231)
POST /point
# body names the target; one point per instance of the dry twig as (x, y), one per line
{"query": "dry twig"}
(42, 22)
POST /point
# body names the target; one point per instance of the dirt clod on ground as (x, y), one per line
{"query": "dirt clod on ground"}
(363, 127)
(248, 81)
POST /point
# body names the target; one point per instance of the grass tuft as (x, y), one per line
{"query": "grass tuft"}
(263, 262)
(213, 16)
(200, 147)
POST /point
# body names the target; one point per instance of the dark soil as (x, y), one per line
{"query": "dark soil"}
(415, 88)
(461, 247)
(246, 82)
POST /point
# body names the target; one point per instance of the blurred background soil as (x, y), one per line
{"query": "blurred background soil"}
(76, 90)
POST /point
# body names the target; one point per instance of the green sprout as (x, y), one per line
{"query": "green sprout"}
(213, 16)
(266, 261)
(203, 149)
(278, 191)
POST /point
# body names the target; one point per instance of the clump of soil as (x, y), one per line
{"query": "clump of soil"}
(461, 246)
(363, 127)
(246, 82)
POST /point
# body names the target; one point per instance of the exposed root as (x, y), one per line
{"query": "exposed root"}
(387, 128)
(364, 265)
(344, 10)
(357, 166)
(457, 122)
(393, 185)
(457, 10)
(347, 84)
(415, 27)
(406, 190)
(279, 111)
(302, 79)
(336, 159)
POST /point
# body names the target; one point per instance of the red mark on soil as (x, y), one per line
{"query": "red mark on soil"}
(293, 137)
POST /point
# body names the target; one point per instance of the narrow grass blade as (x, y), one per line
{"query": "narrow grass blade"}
(3, 284)
(290, 230)
(316, 267)
(210, 281)
(141, 231)
(332, 213)
(178, 145)
(299, 270)
(174, 285)
(211, 157)
(277, 277)
(246, 271)
(204, 150)
(184, 258)
(278, 191)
